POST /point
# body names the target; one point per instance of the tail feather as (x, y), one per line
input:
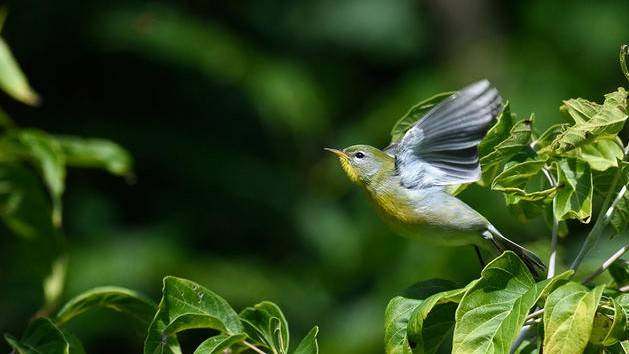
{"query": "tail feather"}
(532, 261)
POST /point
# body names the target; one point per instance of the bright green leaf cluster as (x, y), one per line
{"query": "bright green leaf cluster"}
(486, 315)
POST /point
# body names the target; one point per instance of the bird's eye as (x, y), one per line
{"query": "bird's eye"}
(359, 155)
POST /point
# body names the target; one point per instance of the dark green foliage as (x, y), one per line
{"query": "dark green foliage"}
(561, 172)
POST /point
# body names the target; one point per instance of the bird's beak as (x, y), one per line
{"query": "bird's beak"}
(337, 152)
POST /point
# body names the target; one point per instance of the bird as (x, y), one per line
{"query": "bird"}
(410, 181)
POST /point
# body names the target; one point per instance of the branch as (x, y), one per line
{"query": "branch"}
(604, 215)
(552, 260)
(534, 314)
(525, 332)
(253, 347)
(607, 263)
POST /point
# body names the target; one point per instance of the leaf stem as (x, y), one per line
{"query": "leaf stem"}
(552, 259)
(604, 215)
(606, 264)
(253, 347)
(534, 314)
(524, 333)
(624, 52)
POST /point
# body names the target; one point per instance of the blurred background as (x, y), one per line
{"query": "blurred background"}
(226, 106)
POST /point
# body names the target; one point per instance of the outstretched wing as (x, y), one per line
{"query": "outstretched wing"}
(442, 147)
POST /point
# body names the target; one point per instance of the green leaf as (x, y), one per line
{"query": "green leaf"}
(308, 344)
(517, 142)
(433, 320)
(591, 120)
(41, 336)
(265, 324)
(396, 318)
(415, 114)
(623, 301)
(547, 286)
(568, 316)
(12, 79)
(76, 347)
(601, 154)
(219, 344)
(494, 309)
(620, 214)
(99, 153)
(45, 153)
(499, 132)
(109, 297)
(24, 206)
(619, 271)
(187, 305)
(548, 136)
(574, 198)
(610, 325)
(156, 342)
(517, 176)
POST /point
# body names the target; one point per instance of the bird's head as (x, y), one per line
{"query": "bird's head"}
(363, 162)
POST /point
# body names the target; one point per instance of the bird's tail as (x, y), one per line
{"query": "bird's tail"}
(532, 261)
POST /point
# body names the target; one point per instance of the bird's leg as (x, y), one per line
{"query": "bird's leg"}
(480, 257)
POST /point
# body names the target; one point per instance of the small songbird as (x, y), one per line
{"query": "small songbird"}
(410, 181)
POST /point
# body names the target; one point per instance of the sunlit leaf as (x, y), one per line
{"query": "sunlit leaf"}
(415, 114)
(592, 120)
(265, 324)
(610, 324)
(219, 344)
(568, 316)
(41, 336)
(515, 178)
(109, 297)
(499, 132)
(308, 344)
(516, 142)
(99, 153)
(548, 136)
(396, 318)
(494, 309)
(12, 79)
(601, 154)
(187, 305)
(574, 196)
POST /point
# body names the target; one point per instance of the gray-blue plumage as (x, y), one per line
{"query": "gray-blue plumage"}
(441, 149)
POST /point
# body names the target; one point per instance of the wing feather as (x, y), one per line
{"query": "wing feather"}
(442, 147)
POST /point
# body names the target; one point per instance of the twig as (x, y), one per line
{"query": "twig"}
(606, 264)
(552, 259)
(253, 347)
(533, 322)
(524, 333)
(604, 215)
(534, 314)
